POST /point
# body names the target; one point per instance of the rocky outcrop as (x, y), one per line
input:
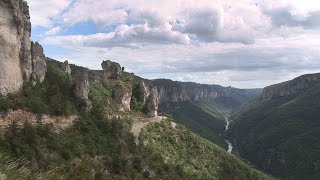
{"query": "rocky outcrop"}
(152, 103)
(111, 71)
(149, 95)
(15, 45)
(66, 67)
(144, 91)
(39, 65)
(21, 116)
(174, 91)
(82, 89)
(19, 59)
(123, 96)
(291, 87)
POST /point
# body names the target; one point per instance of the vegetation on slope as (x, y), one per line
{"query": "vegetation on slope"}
(97, 146)
(203, 118)
(54, 96)
(191, 156)
(281, 135)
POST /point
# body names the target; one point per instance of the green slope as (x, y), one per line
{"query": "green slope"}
(281, 135)
(193, 157)
(98, 147)
(203, 118)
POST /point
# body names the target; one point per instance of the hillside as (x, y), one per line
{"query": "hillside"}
(62, 121)
(280, 132)
(205, 119)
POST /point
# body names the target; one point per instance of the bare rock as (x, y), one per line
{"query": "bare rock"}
(3, 176)
(144, 90)
(152, 103)
(82, 89)
(123, 97)
(15, 45)
(111, 71)
(39, 65)
(66, 67)
(149, 95)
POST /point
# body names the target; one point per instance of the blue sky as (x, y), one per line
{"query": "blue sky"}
(241, 43)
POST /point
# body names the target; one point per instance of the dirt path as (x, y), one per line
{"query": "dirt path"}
(138, 124)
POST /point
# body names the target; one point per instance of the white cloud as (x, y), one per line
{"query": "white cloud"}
(53, 31)
(132, 36)
(43, 12)
(101, 12)
(244, 43)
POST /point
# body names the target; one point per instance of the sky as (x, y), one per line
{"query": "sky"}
(239, 43)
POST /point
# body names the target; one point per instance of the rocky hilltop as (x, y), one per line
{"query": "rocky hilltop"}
(155, 92)
(19, 58)
(291, 87)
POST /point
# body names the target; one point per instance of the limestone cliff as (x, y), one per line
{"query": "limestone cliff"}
(39, 65)
(82, 89)
(15, 45)
(123, 96)
(19, 58)
(291, 87)
(111, 71)
(152, 103)
(175, 91)
(149, 95)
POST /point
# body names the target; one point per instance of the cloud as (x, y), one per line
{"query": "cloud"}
(132, 36)
(53, 31)
(43, 13)
(246, 43)
(293, 13)
(285, 17)
(101, 12)
(215, 24)
(205, 21)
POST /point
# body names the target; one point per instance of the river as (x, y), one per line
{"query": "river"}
(230, 147)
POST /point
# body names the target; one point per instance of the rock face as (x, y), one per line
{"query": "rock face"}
(19, 59)
(39, 65)
(15, 45)
(82, 89)
(149, 95)
(166, 91)
(66, 67)
(291, 87)
(174, 91)
(144, 91)
(21, 116)
(171, 91)
(123, 97)
(152, 103)
(111, 71)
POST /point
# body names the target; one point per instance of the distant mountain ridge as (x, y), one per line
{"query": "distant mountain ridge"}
(280, 131)
(291, 87)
